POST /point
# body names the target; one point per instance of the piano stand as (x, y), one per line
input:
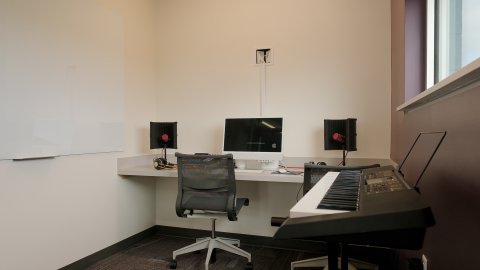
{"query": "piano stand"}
(322, 262)
(332, 260)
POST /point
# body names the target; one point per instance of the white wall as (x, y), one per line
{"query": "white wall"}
(62, 66)
(57, 211)
(331, 60)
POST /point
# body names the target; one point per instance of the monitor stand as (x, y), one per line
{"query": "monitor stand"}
(240, 164)
(269, 165)
(265, 165)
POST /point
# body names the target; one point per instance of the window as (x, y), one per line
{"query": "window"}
(452, 41)
(450, 52)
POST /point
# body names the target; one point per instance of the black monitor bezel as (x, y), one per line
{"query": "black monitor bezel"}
(252, 119)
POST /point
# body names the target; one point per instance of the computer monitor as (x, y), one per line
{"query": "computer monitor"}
(340, 134)
(254, 139)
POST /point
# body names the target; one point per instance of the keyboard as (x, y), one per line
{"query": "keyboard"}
(247, 171)
(386, 212)
(343, 193)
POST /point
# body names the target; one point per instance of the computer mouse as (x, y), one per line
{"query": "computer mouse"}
(282, 170)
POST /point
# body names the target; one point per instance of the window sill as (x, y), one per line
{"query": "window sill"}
(464, 79)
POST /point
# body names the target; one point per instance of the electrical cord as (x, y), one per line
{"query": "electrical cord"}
(298, 192)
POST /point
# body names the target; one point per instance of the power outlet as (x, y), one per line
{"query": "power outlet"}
(424, 262)
(264, 56)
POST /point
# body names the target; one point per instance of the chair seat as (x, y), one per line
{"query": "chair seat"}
(240, 202)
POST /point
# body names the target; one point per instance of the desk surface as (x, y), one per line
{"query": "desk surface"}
(143, 166)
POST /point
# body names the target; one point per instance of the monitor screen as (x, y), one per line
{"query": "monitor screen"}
(253, 135)
(163, 134)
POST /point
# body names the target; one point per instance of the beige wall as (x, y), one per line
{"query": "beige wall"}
(193, 62)
(331, 60)
(59, 210)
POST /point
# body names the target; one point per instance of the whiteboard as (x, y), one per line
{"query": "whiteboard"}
(61, 78)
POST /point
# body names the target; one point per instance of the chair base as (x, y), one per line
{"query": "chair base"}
(323, 262)
(229, 245)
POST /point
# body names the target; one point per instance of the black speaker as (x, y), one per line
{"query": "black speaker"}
(340, 134)
(163, 135)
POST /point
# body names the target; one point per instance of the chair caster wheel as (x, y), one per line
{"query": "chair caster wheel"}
(249, 266)
(173, 264)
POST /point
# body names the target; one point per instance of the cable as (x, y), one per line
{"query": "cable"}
(263, 88)
(298, 192)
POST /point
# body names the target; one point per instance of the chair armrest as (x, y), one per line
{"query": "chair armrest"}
(240, 202)
(277, 221)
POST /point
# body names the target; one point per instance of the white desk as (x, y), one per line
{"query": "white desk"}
(270, 194)
(143, 166)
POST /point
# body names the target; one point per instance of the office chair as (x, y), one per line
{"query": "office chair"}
(206, 188)
(312, 174)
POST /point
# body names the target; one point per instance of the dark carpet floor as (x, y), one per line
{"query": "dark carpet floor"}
(156, 253)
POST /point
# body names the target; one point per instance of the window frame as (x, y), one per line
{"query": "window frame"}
(465, 78)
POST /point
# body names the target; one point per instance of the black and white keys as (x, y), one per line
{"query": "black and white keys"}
(343, 194)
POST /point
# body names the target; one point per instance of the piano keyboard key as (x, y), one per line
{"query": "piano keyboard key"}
(343, 193)
(307, 206)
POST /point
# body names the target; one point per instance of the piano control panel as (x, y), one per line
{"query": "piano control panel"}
(381, 180)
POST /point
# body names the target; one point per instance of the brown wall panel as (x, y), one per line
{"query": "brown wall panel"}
(451, 185)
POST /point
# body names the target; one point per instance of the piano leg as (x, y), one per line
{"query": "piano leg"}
(344, 256)
(336, 253)
(332, 252)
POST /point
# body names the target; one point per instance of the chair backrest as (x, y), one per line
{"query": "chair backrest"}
(314, 172)
(205, 182)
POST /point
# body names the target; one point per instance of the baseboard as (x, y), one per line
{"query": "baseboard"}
(108, 251)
